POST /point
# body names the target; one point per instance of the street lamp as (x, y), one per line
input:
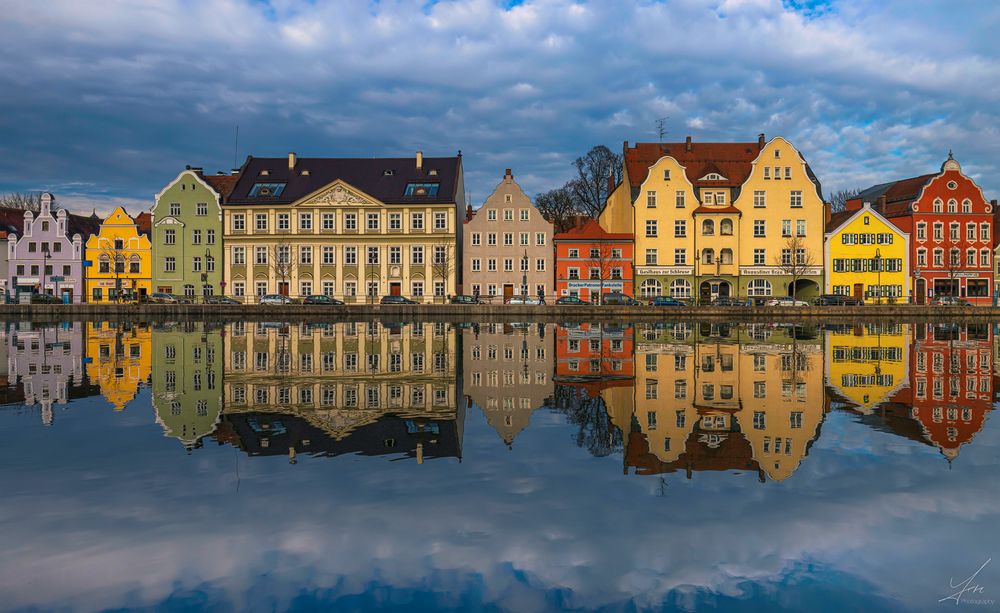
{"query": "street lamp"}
(878, 271)
(45, 262)
(524, 275)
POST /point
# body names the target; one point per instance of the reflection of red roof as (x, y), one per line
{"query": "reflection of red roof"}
(732, 453)
(731, 160)
(590, 230)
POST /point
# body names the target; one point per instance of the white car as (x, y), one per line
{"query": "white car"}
(273, 299)
(524, 300)
(786, 301)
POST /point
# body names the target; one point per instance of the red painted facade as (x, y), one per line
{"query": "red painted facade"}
(591, 261)
(950, 223)
(594, 350)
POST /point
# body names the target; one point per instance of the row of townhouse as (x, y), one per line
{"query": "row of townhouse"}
(689, 220)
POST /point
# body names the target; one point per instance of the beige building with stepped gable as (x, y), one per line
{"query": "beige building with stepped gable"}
(507, 245)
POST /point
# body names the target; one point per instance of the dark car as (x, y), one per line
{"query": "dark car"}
(321, 299)
(729, 301)
(45, 299)
(618, 299)
(465, 299)
(396, 300)
(666, 301)
(838, 300)
(221, 300)
(570, 300)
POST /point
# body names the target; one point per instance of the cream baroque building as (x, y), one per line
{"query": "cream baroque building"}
(345, 227)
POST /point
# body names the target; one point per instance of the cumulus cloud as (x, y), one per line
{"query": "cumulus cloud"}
(121, 95)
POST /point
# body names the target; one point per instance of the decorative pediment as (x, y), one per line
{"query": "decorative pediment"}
(339, 193)
(169, 221)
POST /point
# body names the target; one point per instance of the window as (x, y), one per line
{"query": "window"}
(305, 222)
(395, 255)
(680, 257)
(373, 253)
(491, 264)
(921, 257)
(170, 264)
(170, 237)
(201, 209)
(508, 239)
(104, 264)
(984, 231)
(650, 257)
(759, 257)
(651, 199)
(970, 232)
(650, 228)
(970, 257)
(491, 215)
(573, 253)
(938, 205)
(679, 199)
(952, 206)
(788, 172)
(284, 222)
(175, 209)
(476, 265)
(595, 254)
(239, 222)
(708, 228)
(539, 264)
(260, 256)
(372, 222)
(417, 255)
(260, 222)
(524, 238)
(328, 255)
(800, 227)
(938, 231)
(525, 215)
(540, 239)
(210, 237)
(759, 287)
(953, 230)
(680, 288)
(966, 206)
(266, 190)
(680, 228)
(328, 221)
(440, 221)
(306, 254)
(196, 237)
(767, 172)
(508, 214)
(795, 200)
(939, 257)
(350, 256)
(984, 258)
(759, 228)
(421, 190)
(922, 231)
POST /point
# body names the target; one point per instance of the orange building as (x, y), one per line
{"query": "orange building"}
(591, 261)
(592, 350)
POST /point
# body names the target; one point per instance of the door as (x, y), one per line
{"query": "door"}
(921, 291)
(706, 292)
(395, 289)
(508, 291)
(283, 288)
(67, 296)
(859, 290)
(724, 289)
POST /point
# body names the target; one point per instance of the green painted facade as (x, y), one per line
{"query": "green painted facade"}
(187, 380)
(187, 236)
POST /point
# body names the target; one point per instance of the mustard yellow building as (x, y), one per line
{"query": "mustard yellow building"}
(866, 256)
(121, 261)
(867, 364)
(119, 359)
(721, 219)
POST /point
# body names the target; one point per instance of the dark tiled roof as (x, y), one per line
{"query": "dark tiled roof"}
(84, 226)
(11, 220)
(382, 178)
(899, 195)
(731, 160)
(838, 218)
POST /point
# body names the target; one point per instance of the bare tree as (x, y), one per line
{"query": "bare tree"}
(838, 199)
(601, 262)
(590, 187)
(795, 260)
(24, 201)
(558, 207)
(443, 263)
(281, 262)
(113, 261)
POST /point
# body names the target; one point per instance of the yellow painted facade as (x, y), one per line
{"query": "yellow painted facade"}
(867, 256)
(119, 359)
(866, 365)
(122, 259)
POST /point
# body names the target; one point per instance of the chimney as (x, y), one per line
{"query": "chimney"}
(880, 205)
(508, 175)
(687, 144)
(420, 160)
(611, 184)
(234, 171)
(827, 213)
(468, 212)
(760, 140)
(291, 160)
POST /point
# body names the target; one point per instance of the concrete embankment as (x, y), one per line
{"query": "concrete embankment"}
(498, 313)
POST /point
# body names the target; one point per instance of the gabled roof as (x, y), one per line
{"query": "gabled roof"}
(899, 195)
(222, 184)
(384, 179)
(731, 160)
(143, 222)
(590, 230)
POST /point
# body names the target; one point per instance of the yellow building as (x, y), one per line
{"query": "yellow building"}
(866, 256)
(119, 359)
(121, 261)
(866, 365)
(720, 219)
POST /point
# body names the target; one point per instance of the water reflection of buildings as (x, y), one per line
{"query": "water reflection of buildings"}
(944, 396)
(45, 362)
(368, 388)
(507, 373)
(187, 380)
(722, 397)
(593, 350)
(118, 359)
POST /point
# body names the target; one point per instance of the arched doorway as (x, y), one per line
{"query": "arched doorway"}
(803, 289)
(921, 290)
(714, 288)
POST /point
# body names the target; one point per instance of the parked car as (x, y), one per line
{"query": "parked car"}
(730, 301)
(275, 299)
(666, 301)
(573, 300)
(786, 301)
(396, 300)
(524, 300)
(838, 300)
(465, 299)
(618, 299)
(162, 298)
(950, 301)
(45, 299)
(321, 299)
(213, 299)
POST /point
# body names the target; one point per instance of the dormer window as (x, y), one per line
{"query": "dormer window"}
(666, 174)
(266, 190)
(433, 172)
(388, 172)
(713, 176)
(305, 172)
(265, 173)
(421, 190)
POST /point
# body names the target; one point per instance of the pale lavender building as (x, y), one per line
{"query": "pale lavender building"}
(44, 258)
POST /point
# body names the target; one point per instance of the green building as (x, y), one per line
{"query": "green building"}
(187, 234)
(187, 380)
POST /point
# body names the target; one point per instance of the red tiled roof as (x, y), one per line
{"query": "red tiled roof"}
(223, 184)
(731, 160)
(590, 230)
(838, 218)
(143, 222)
(717, 209)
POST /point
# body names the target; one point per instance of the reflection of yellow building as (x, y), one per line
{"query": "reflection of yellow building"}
(866, 365)
(118, 359)
(782, 398)
(866, 256)
(341, 376)
(121, 261)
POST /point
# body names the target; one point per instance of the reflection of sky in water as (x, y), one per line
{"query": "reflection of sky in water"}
(101, 510)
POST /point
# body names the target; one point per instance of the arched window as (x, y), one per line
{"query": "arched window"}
(650, 288)
(726, 256)
(952, 205)
(133, 264)
(938, 205)
(119, 263)
(104, 264)
(708, 227)
(708, 256)
(966, 206)
(726, 227)
(759, 287)
(680, 288)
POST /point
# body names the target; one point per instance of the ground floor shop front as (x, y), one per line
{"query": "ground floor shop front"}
(682, 284)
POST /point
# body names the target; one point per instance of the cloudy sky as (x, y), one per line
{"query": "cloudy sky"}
(104, 102)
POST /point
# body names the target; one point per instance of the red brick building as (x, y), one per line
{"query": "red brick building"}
(950, 223)
(591, 261)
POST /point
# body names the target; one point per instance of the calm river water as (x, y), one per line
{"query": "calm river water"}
(522, 467)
